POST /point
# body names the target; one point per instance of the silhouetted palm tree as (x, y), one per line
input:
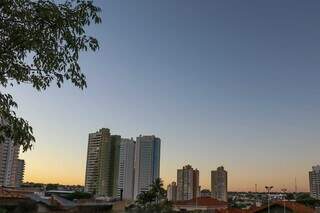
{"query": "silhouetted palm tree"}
(155, 199)
(157, 190)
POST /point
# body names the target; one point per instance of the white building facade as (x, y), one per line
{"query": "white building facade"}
(126, 169)
(314, 182)
(9, 153)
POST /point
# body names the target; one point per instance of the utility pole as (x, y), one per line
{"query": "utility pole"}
(269, 188)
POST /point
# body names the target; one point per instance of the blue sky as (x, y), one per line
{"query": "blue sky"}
(231, 83)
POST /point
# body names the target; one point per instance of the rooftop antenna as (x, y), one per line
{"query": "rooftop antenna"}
(295, 185)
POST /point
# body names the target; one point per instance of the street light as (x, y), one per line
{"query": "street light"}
(284, 190)
(269, 188)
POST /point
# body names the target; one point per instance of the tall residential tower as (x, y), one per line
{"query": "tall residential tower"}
(187, 183)
(219, 184)
(9, 153)
(20, 172)
(314, 182)
(93, 154)
(108, 167)
(102, 168)
(172, 192)
(126, 168)
(147, 163)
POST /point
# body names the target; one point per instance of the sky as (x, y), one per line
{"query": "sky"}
(232, 83)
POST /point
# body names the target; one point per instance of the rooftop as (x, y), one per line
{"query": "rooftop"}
(293, 206)
(201, 201)
(13, 193)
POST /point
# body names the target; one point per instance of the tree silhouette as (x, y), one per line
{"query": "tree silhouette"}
(157, 190)
(40, 43)
(154, 200)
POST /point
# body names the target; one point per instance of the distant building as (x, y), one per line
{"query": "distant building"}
(102, 169)
(20, 172)
(9, 153)
(205, 193)
(147, 163)
(219, 184)
(126, 168)
(314, 182)
(172, 192)
(187, 183)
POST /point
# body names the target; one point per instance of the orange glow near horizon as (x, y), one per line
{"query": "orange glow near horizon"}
(221, 83)
(239, 181)
(49, 163)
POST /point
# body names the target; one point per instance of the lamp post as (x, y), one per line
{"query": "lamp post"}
(284, 190)
(269, 188)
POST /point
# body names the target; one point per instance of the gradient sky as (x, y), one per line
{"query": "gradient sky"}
(232, 83)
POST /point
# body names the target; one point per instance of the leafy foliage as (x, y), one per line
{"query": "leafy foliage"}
(52, 186)
(78, 196)
(40, 43)
(305, 199)
(154, 200)
(157, 190)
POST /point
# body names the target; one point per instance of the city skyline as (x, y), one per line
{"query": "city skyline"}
(223, 84)
(119, 167)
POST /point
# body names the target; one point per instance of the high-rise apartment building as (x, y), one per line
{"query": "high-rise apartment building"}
(147, 162)
(20, 172)
(187, 183)
(172, 192)
(196, 186)
(314, 182)
(93, 155)
(219, 184)
(102, 169)
(109, 167)
(126, 168)
(9, 154)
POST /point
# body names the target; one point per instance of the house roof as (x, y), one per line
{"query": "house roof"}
(231, 210)
(11, 193)
(201, 201)
(294, 206)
